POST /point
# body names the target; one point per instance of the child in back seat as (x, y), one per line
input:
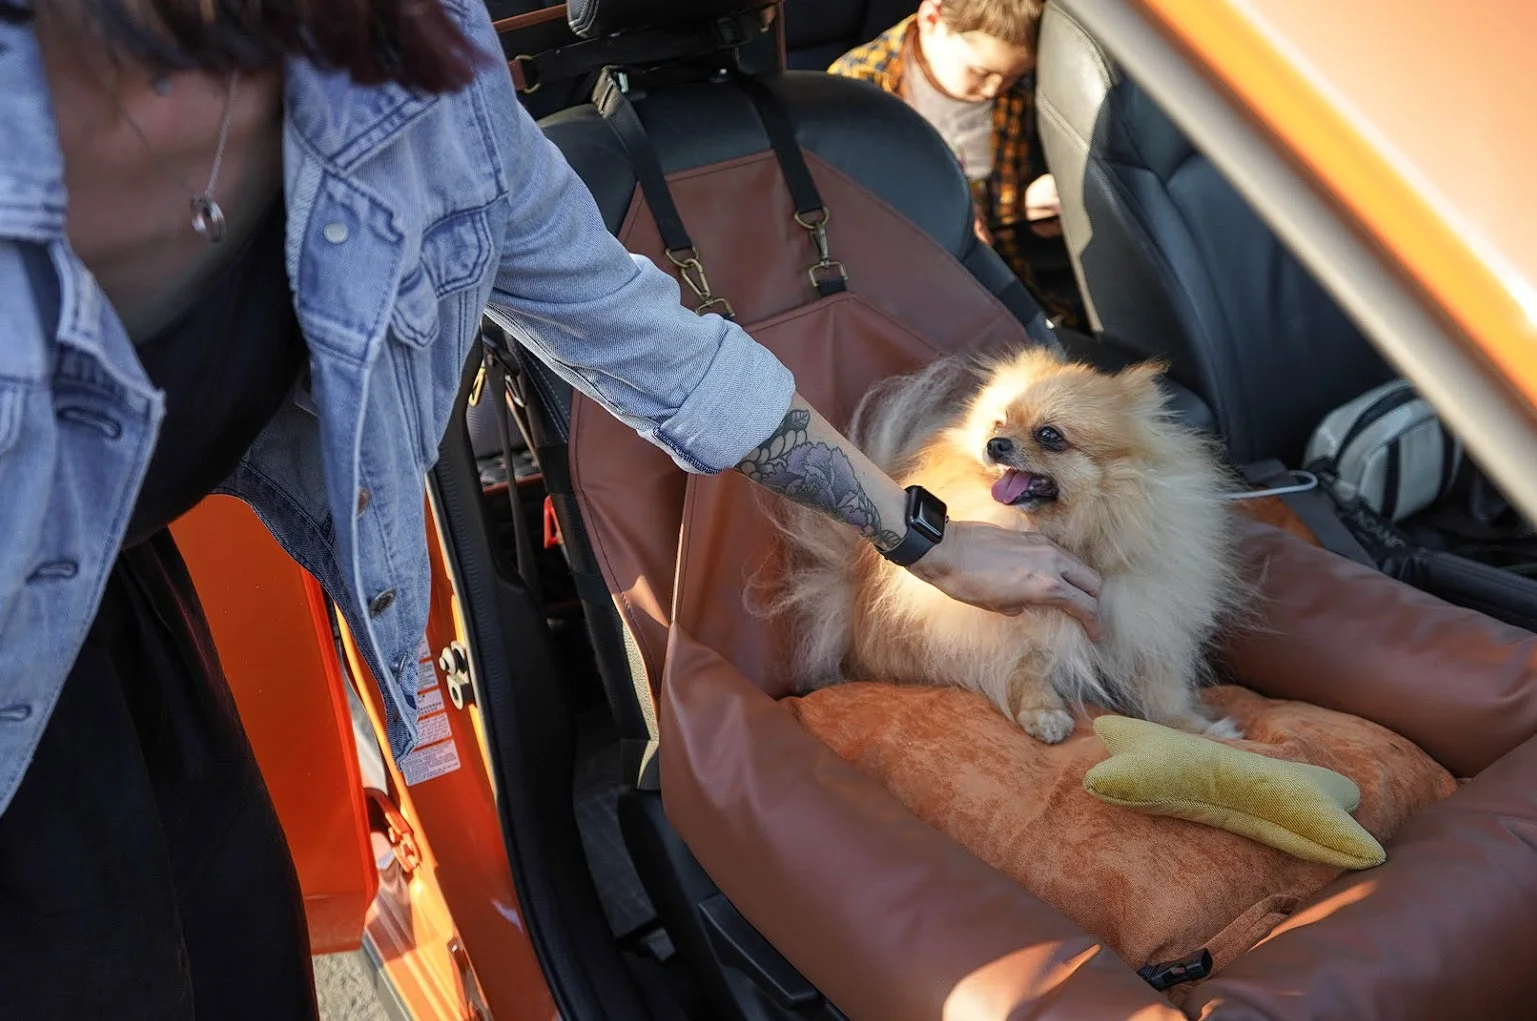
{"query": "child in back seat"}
(968, 67)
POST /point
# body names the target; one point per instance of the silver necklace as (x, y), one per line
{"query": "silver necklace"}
(207, 216)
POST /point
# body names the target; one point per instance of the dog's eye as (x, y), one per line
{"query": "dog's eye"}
(1048, 437)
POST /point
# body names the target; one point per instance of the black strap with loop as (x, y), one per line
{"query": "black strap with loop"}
(827, 275)
(619, 112)
(640, 48)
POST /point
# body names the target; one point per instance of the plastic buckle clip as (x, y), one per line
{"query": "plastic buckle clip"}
(1172, 973)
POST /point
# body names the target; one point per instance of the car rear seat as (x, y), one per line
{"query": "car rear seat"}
(888, 917)
(1174, 264)
(818, 32)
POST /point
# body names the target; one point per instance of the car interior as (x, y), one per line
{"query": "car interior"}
(653, 796)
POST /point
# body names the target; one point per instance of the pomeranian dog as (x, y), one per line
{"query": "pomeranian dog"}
(1029, 441)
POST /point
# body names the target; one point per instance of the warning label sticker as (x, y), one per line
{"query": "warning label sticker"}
(426, 671)
(436, 754)
(433, 729)
(427, 763)
(429, 701)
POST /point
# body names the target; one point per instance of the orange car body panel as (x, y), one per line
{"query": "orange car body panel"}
(274, 638)
(1416, 119)
(270, 623)
(464, 853)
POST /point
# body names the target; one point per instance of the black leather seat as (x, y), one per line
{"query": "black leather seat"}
(1174, 264)
(818, 32)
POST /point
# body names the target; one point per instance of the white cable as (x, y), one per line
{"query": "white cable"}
(1307, 481)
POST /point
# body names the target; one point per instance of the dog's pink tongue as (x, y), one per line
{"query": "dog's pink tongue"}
(1011, 487)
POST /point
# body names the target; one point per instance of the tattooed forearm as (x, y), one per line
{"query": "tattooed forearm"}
(819, 475)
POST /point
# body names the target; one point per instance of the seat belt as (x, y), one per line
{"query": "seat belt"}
(1316, 509)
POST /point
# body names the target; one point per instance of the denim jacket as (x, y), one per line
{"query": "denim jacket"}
(406, 214)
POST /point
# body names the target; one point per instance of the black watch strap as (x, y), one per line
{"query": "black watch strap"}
(926, 519)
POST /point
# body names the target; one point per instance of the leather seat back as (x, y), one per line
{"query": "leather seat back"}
(901, 224)
(818, 32)
(1174, 264)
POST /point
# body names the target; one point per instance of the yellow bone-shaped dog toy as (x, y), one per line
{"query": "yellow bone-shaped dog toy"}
(1295, 807)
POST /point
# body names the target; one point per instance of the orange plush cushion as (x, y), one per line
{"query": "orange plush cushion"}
(1153, 888)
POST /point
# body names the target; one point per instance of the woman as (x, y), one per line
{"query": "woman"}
(283, 218)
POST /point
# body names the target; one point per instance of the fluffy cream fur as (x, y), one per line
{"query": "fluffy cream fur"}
(1136, 496)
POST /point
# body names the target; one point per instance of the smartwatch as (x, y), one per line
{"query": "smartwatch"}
(926, 519)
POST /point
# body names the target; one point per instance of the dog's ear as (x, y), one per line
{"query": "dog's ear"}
(1144, 379)
(1149, 370)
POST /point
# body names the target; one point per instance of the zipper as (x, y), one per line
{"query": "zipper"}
(1382, 406)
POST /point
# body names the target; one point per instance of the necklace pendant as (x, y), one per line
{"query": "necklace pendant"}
(207, 218)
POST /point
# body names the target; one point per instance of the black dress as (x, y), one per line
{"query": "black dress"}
(143, 872)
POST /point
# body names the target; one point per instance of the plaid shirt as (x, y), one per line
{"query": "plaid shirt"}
(1000, 197)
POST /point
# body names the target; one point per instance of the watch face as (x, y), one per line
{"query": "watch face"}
(926, 513)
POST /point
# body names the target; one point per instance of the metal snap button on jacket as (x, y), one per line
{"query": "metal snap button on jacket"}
(381, 602)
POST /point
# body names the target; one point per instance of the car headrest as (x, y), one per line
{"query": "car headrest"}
(1088, 91)
(591, 19)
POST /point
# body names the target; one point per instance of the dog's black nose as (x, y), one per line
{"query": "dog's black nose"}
(999, 447)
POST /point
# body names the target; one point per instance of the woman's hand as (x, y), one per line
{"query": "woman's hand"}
(1007, 571)
(806, 460)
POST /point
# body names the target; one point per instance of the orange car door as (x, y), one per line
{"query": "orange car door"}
(274, 636)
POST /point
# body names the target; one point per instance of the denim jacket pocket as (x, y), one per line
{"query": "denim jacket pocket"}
(350, 260)
(414, 321)
(455, 253)
(457, 250)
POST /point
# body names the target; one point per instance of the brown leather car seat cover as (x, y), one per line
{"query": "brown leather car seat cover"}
(741, 217)
(1154, 889)
(884, 913)
(1446, 929)
(1338, 634)
(890, 918)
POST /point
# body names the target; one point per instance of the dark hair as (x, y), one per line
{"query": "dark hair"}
(413, 43)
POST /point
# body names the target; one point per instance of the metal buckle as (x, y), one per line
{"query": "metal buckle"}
(812, 274)
(610, 82)
(691, 271)
(711, 306)
(825, 263)
(515, 67)
(479, 386)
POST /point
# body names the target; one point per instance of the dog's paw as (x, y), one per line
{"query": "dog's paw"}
(1051, 726)
(1224, 730)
